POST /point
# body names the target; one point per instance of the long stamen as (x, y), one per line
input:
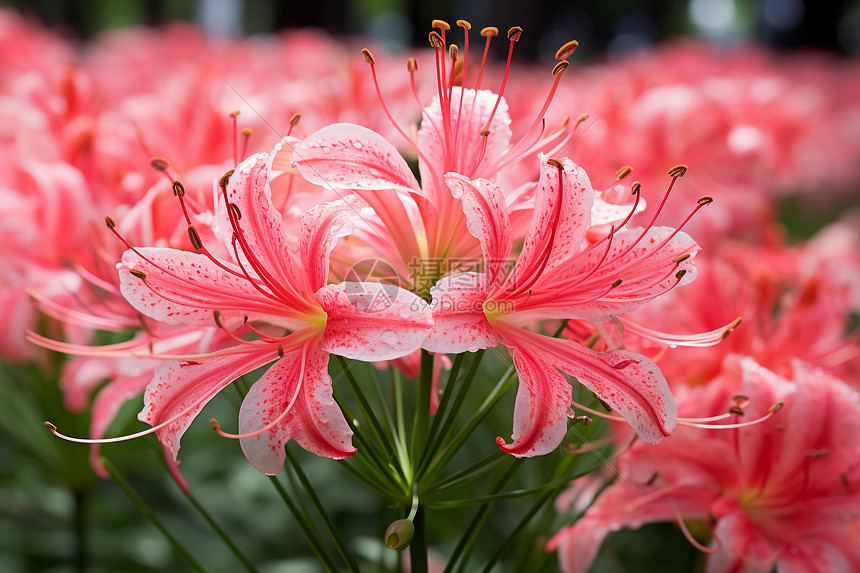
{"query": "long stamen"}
(217, 427)
(234, 115)
(702, 339)
(489, 33)
(514, 35)
(294, 121)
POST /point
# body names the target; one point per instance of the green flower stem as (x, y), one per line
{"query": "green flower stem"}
(340, 544)
(422, 408)
(145, 511)
(446, 426)
(397, 435)
(234, 549)
(441, 410)
(470, 473)
(80, 527)
(308, 529)
(505, 545)
(397, 379)
(418, 546)
(471, 531)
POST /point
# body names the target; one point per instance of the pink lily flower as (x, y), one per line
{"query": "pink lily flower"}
(780, 491)
(560, 274)
(282, 296)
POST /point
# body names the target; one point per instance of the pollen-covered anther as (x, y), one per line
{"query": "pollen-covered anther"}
(236, 212)
(737, 410)
(110, 222)
(464, 24)
(617, 283)
(776, 407)
(582, 117)
(225, 179)
(560, 67)
(635, 188)
(740, 398)
(678, 171)
(214, 424)
(281, 351)
(732, 328)
(411, 65)
(454, 51)
(246, 131)
(490, 31)
(194, 237)
(706, 200)
(441, 24)
(680, 274)
(584, 420)
(50, 426)
(139, 274)
(235, 113)
(368, 57)
(178, 189)
(555, 163)
(485, 133)
(216, 316)
(566, 50)
(681, 259)
(436, 40)
(294, 119)
(159, 163)
(623, 172)
(515, 33)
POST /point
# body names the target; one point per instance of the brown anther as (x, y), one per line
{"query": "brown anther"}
(454, 51)
(485, 133)
(159, 163)
(653, 478)
(281, 351)
(678, 171)
(216, 315)
(515, 33)
(681, 259)
(236, 212)
(294, 119)
(635, 188)
(490, 31)
(775, 408)
(560, 67)
(194, 237)
(110, 222)
(215, 425)
(606, 406)
(464, 24)
(737, 322)
(617, 283)
(567, 50)
(737, 410)
(555, 163)
(246, 131)
(225, 179)
(581, 117)
(178, 189)
(441, 24)
(820, 453)
(235, 113)
(623, 172)
(51, 426)
(680, 274)
(368, 57)
(436, 40)
(740, 398)
(138, 274)
(706, 200)
(584, 420)
(411, 65)
(592, 340)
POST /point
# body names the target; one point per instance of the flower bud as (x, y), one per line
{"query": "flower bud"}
(399, 534)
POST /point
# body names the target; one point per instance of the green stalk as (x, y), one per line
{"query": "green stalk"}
(234, 549)
(340, 544)
(308, 529)
(145, 511)
(450, 387)
(422, 408)
(418, 545)
(517, 530)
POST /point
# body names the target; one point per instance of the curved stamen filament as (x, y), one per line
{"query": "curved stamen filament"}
(686, 531)
(702, 339)
(217, 427)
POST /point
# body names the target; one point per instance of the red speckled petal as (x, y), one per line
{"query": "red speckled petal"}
(373, 321)
(190, 291)
(314, 421)
(486, 218)
(543, 399)
(184, 388)
(459, 323)
(346, 156)
(322, 226)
